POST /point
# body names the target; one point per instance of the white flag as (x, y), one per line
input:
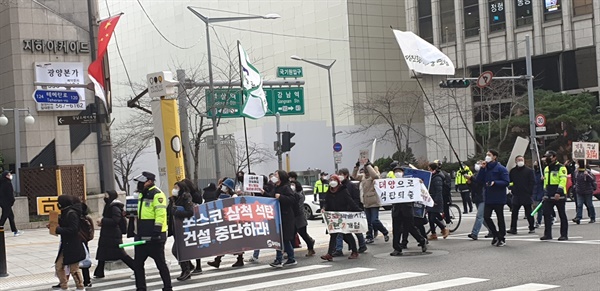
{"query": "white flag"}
(256, 101)
(421, 56)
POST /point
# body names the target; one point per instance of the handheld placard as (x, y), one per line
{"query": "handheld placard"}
(131, 244)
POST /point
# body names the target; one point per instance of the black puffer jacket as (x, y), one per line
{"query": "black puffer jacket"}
(436, 191)
(300, 219)
(340, 200)
(110, 232)
(287, 202)
(7, 196)
(70, 246)
(184, 200)
(476, 189)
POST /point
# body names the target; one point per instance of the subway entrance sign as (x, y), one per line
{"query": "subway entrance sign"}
(285, 100)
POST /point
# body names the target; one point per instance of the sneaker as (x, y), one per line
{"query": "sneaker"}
(489, 235)
(338, 254)
(537, 225)
(494, 240)
(353, 256)
(501, 243)
(423, 246)
(369, 241)
(19, 232)
(545, 238)
(362, 249)
(396, 253)
(386, 237)
(471, 236)
(310, 253)
(592, 220)
(290, 263)
(56, 287)
(563, 238)
(576, 220)
(465, 212)
(327, 257)
(252, 259)
(276, 264)
(532, 231)
(512, 231)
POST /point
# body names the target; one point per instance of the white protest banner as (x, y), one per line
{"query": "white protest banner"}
(401, 190)
(421, 56)
(253, 184)
(346, 222)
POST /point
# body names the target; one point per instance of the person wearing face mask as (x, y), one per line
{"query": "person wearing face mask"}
(461, 186)
(436, 190)
(301, 222)
(522, 182)
(585, 184)
(321, 187)
(478, 199)
(265, 192)
(287, 203)
(555, 183)
(403, 223)
(371, 201)
(495, 179)
(7, 200)
(111, 234)
(538, 192)
(354, 192)
(180, 207)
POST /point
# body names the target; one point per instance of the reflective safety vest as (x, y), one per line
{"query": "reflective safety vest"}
(555, 179)
(391, 175)
(460, 178)
(320, 188)
(152, 213)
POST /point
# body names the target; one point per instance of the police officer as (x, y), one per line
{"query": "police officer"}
(321, 187)
(151, 227)
(555, 183)
(462, 187)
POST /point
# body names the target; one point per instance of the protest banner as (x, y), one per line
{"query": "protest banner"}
(228, 226)
(402, 190)
(253, 184)
(346, 222)
(585, 150)
(416, 173)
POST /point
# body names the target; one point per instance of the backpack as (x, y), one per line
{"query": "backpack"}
(86, 228)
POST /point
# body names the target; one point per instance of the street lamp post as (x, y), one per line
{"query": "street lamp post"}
(28, 120)
(208, 21)
(328, 68)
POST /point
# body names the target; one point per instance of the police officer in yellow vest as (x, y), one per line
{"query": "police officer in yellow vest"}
(555, 185)
(151, 227)
(321, 187)
(461, 186)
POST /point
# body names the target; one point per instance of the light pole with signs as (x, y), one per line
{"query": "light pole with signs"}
(28, 120)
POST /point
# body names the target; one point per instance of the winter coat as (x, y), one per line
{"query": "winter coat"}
(583, 182)
(7, 196)
(354, 192)
(522, 182)
(476, 189)
(538, 189)
(184, 200)
(197, 196)
(110, 232)
(300, 219)
(210, 193)
(71, 245)
(287, 202)
(436, 191)
(369, 196)
(497, 173)
(340, 200)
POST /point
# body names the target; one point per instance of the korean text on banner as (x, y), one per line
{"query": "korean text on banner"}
(228, 226)
(253, 184)
(401, 190)
(346, 222)
(585, 150)
(421, 56)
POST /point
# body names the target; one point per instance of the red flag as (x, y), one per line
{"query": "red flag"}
(95, 72)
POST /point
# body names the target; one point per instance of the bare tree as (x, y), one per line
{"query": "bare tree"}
(257, 153)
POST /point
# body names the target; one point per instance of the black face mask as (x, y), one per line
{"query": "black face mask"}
(548, 161)
(140, 186)
(241, 178)
(106, 200)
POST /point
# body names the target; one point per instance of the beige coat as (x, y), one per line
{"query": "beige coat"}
(368, 196)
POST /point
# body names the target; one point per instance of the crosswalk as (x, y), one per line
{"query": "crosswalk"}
(315, 277)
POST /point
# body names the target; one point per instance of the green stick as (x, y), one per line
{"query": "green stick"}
(131, 244)
(537, 208)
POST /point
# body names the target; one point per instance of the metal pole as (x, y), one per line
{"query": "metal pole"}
(278, 124)
(531, 99)
(215, 111)
(17, 150)
(3, 267)
(333, 132)
(183, 122)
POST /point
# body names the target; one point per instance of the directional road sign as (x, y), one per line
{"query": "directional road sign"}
(289, 72)
(56, 96)
(286, 101)
(76, 119)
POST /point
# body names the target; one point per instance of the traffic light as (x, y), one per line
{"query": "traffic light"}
(286, 141)
(455, 84)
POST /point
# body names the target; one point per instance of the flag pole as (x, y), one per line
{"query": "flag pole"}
(243, 101)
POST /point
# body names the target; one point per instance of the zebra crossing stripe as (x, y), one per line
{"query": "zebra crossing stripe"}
(365, 282)
(528, 287)
(442, 284)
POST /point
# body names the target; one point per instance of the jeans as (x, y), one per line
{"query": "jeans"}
(374, 223)
(256, 253)
(487, 216)
(435, 218)
(288, 247)
(515, 216)
(339, 242)
(548, 208)
(587, 200)
(7, 213)
(347, 237)
(479, 219)
(466, 200)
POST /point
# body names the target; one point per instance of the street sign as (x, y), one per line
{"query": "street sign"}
(286, 101)
(76, 119)
(228, 102)
(161, 84)
(337, 147)
(338, 157)
(540, 120)
(540, 128)
(289, 72)
(56, 96)
(485, 79)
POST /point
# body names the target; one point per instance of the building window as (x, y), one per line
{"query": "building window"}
(425, 20)
(497, 18)
(552, 10)
(524, 12)
(582, 7)
(471, 18)
(448, 21)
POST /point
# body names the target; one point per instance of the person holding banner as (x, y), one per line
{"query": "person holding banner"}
(338, 199)
(287, 201)
(180, 207)
(403, 222)
(585, 185)
(354, 192)
(436, 190)
(370, 200)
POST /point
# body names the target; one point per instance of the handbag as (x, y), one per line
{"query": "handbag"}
(87, 262)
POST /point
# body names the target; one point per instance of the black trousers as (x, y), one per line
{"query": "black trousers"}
(310, 242)
(185, 265)
(548, 210)
(403, 223)
(435, 218)
(7, 213)
(466, 200)
(99, 272)
(348, 238)
(499, 233)
(156, 251)
(447, 202)
(514, 217)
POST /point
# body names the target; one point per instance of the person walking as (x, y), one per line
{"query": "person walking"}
(371, 201)
(435, 212)
(320, 189)
(197, 199)
(301, 222)
(495, 179)
(555, 185)
(446, 191)
(478, 199)
(338, 199)
(7, 200)
(180, 207)
(112, 227)
(522, 182)
(265, 192)
(71, 250)
(585, 185)
(287, 203)
(151, 227)
(462, 187)
(403, 222)
(538, 192)
(354, 192)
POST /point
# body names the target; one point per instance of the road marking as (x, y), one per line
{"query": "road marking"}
(528, 287)
(299, 279)
(365, 282)
(442, 284)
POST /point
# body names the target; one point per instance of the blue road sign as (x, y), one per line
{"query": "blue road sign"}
(56, 96)
(337, 147)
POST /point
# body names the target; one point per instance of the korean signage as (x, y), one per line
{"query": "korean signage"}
(524, 8)
(402, 190)
(346, 222)
(253, 184)
(228, 102)
(59, 98)
(56, 46)
(286, 101)
(229, 226)
(289, 72)
(47, 204)
(496, 11)
(76, 119)
(585, 151)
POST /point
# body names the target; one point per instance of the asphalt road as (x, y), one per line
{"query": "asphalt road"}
(457, 263)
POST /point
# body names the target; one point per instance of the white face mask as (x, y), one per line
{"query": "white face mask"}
(224, 188)
(342, 178)
(488, 159)
(333, 184)
(293, 188)
(175, 192)
(274, 180)
(520, 164)
(399, 174)
(10, 177)
(477, 167)
(325, 177)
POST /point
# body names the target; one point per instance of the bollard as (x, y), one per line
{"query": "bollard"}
(3, 271)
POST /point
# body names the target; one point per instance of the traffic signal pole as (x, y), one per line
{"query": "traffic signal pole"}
(535, 156)
(279, 158)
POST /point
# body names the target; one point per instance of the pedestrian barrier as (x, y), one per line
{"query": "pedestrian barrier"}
(3, 268)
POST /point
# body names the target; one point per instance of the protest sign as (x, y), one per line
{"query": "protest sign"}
(53, 222)
(253, 184)
(585, 150)
(346, 222)
(229, 226)
(401, 190)
(416, 173)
